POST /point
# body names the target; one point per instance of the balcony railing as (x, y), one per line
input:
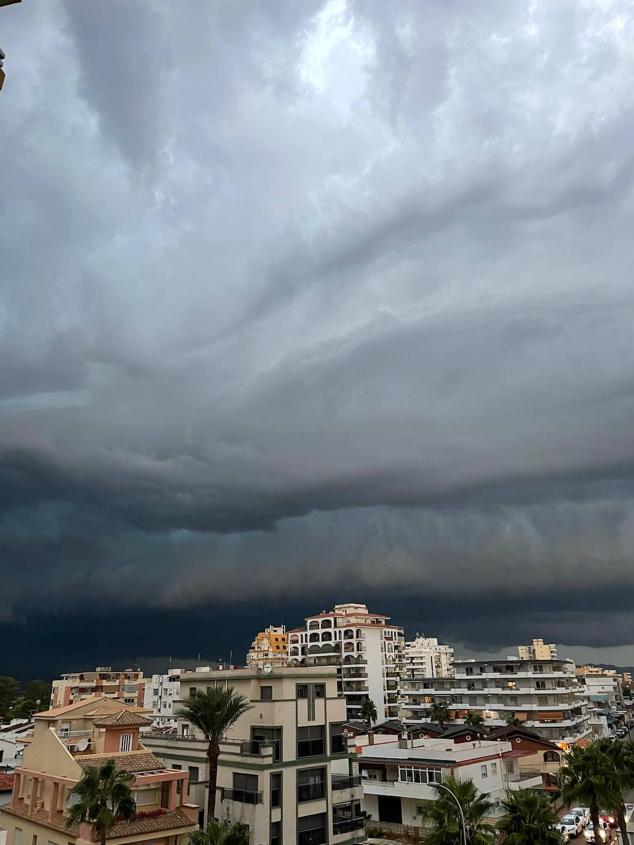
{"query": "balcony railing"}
(346, 781)
(242, 796)
(347, 825)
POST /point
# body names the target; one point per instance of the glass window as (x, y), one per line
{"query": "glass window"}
(192, 692)
(17, 836)
(311, 741)
(311, 830)
(276, 789)
(302, 691)
(338, 740)
(266, 693)
(245, 787)
(268, 736)
(276, 833)
(483, 771)
(193, 774)
(311, 784)
(320, 690)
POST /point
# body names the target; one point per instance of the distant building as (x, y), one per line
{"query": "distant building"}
(69, 740)
(126, 685)
(538, 650)
(366, 649)
(12, 741)
(543, 695)
(161, 693)
(398, 778)
(285, 769)
(269, 648)
(423, 657)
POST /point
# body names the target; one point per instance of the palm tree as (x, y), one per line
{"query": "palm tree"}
(221, 833)
(439, 713)
(583, 781)
(619, 779)
(368, 712)
(445, 818)
(213, 712)
(475, 719)
(529, 819)
(103, 797)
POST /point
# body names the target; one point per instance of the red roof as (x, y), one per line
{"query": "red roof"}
(6, 781)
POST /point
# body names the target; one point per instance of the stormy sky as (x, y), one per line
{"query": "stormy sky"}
(304, 302)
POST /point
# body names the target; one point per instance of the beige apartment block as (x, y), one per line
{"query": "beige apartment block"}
(68, 740)
(537, 650)
(285, 769)
(127, 685)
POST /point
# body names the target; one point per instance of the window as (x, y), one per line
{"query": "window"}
(276, 833)
(192, 692)
(415, 774)
(469, 670)
(193, 774)
(483, 771)
(338, 740)
(17, 836)
(268, 736)
(125, 743)
(551, 757)
(143, 797)
(266, 693)
(310, 741)
(311, 830)
(494, 768)
(165, 794)
(320, 691)
(302, 691)
(245, 788)
(276, 789)
(310, 784)
(177, 766)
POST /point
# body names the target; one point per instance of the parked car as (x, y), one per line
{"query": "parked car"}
(573, 824)
(608, 817)
(589, 833)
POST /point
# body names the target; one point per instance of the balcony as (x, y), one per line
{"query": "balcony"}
(526, 780)
(347, 825)
(241, 796)
(345, 782)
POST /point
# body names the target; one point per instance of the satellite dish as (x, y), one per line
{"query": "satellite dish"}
(267, 668)
(82, 745)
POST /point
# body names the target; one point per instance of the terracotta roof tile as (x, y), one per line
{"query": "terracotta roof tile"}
(177, 818)
(127, 761)
(6, 781)
(124, 718)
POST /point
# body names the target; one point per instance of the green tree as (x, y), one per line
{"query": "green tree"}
(368, 712)
(445, 819)
(619, 779)
(475, 719)
(583, 781)
(9, 694)
(439, 712)
(103, 796)
(513, 722)
(38, 691)
(221, 833)
(528, 819)
(213, 712)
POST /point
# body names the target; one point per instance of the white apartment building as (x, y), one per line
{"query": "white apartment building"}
(365, 648)
(398, 777)
(537, 650)
(285, 769)
(12, 742)
(605, 701)
(543, 695)
(424, 657)
(161, 693)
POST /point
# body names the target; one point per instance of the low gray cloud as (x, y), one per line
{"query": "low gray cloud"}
(322, 298)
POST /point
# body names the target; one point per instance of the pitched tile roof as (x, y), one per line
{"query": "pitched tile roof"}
(68, 708)
(135, 827)
(6, 781)
(124, 718)
(126, 761)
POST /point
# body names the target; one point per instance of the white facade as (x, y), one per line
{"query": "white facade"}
(12, 738)
(544, 695)
(424, 657)
(161, 692)
(367, 650)
(398, 777)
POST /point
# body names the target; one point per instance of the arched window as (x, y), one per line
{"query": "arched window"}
(326, 623)
(313, 626)
(348, 634)
(313, 638)
(326, 636)
(551, 757)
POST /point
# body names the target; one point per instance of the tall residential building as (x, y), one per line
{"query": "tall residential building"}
(127, 685)
(543, 695)
(13, 738)
(269, 648)
(538, 650)
(365, 648)
(284, 767)
(423, 657)
(161, 692)
(69, 740)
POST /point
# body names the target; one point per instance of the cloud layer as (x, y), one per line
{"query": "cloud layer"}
(319, 300)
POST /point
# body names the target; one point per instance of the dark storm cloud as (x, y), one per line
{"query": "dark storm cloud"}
(306, 301)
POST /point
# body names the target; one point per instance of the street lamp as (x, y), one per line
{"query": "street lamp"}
(459, 805)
